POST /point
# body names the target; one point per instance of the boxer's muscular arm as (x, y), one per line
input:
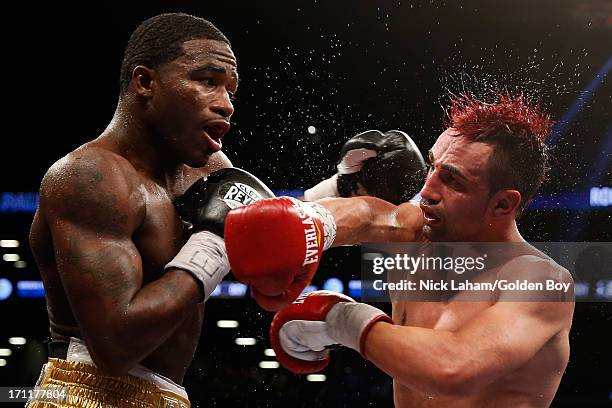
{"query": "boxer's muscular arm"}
(495, 343)
(93, 210)
(370, 219)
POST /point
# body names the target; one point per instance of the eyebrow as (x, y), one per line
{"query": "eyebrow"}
(448, 167)
(217, 69)
(454, 170)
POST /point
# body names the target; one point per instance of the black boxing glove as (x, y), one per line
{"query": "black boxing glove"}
(205, 206)
(387, 165)
(206, 203)
(353, 155)
(397, 173)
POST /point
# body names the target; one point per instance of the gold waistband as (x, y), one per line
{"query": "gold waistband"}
(86, 386)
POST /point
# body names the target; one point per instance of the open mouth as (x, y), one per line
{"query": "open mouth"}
(214, 142)
(430, 217)
(214, 131)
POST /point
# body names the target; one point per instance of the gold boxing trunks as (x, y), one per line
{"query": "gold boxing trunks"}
(84, 385)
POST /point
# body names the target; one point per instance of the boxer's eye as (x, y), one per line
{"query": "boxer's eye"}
(208, 82)
(448, 178)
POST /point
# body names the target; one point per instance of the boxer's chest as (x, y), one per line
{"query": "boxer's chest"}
(161, 234)
(437, 315)
(451, 313)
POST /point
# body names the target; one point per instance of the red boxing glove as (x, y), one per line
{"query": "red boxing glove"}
(313, 307)
(275, 246)
(302, 333)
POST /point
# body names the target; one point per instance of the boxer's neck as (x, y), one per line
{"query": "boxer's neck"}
(130, 136)
(504, 231)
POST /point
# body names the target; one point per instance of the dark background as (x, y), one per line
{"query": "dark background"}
(343, 67)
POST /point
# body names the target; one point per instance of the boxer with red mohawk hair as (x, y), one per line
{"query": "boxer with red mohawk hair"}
(493, 351)
(518, 128)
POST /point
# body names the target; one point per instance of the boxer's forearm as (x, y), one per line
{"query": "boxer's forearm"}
(367, 219)
(173, 298)
(121, 319)
(430, 361)
(147, 321)
(484, 350)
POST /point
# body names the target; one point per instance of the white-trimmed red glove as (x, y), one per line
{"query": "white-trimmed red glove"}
(275, 246)
(302, 333)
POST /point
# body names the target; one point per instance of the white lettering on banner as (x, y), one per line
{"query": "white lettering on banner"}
(394, 286)
(557, 286)
(433, 285)
(241, 194)
(467, 285)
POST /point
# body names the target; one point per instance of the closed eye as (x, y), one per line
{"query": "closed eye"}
(449, 179)
(209, 82)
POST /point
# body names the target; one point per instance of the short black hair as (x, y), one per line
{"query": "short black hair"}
(159, 40)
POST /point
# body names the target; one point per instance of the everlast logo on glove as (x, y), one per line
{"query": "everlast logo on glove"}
(312, 234)
(240, 194)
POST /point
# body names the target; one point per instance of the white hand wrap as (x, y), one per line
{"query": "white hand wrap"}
(317, 211)
(326, 188)
(203, 256)
(348, 323)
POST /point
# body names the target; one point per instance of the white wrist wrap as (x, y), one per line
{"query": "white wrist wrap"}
(326, 188)
(317, 211)
(203, 256)
(346, 322)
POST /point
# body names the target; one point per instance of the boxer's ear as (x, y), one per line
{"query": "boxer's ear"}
(142, 77)
(505, 202)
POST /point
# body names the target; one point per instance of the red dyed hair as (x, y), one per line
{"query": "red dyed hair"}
(476, 119)
(517, 129)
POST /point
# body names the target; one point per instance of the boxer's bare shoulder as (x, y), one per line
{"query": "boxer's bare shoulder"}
(94, 166)
(89, 181)
(217, 161)
(537, 268)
